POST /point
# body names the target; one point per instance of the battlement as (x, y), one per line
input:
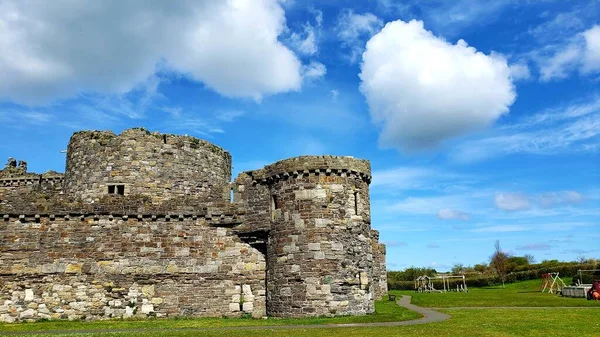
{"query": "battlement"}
(109, 138)
(313, 165)
(14, 169)
(31, 180)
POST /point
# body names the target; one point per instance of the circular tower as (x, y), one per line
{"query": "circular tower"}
(319, 254)
(138, 162)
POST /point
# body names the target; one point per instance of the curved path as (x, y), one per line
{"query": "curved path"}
(429, 316)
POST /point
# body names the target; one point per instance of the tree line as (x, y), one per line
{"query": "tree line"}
(501, 268)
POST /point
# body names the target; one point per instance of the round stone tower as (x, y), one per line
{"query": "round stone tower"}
(139, 162)
(319, 254)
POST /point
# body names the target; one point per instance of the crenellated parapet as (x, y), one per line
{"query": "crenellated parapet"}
(304, 166)
(14, 168)
(32, 180)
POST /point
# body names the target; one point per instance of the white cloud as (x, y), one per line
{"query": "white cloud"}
(314, 70)
(535, 246)
(452, 214)
(591, 56)
(402, 177)
(427, 205)
(560, 64)
(399, 179)
(500, 229)
(390, 244)
(572, 197)
(519, 71)
(423, 90)
(512, 201)
(207, 126)
(581, 53)
(353, 29)
(173, 111)
(306, 45)
(333, 94)
(556, 199)
(574, 127)
(449, 17)
(306, 42)
(195, 126)
(118, 45)
(229, 115)
(560, 26)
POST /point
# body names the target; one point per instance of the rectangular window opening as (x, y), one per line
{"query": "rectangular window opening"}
(231, 197)
(165, 139)
(355, 203)
(121, 189)
(111, 189)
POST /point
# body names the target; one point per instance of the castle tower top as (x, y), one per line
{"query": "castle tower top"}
(306, 165)
(141, 162)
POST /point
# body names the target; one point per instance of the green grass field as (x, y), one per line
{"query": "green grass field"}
(520, 294)
(467, 319)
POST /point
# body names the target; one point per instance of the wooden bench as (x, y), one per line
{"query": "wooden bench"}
(392, 298)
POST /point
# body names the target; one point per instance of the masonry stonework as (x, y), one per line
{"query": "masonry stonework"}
(156, 165)
(295, 241)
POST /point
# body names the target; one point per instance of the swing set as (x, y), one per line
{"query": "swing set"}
(587, 272)
(424, 283)
(551, 282)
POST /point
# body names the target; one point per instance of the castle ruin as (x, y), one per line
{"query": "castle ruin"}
(144, 224)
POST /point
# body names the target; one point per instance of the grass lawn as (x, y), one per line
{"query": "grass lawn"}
(520, 294)
(464, 322)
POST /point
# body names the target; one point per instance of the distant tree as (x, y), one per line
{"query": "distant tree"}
(517, 263)
(411, 273)
(480, 267)
(458, 268)
(530, 258)
(549, 263)
(499, 262)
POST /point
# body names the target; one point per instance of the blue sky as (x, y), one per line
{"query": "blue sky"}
(481, 120)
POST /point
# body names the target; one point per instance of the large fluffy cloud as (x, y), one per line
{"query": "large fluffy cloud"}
(591, 56)
(54, 49)
(423, 90)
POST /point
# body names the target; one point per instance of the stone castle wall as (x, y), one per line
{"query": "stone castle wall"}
(295, 241)
(156, 165)
(99, 267)
(379, 268)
